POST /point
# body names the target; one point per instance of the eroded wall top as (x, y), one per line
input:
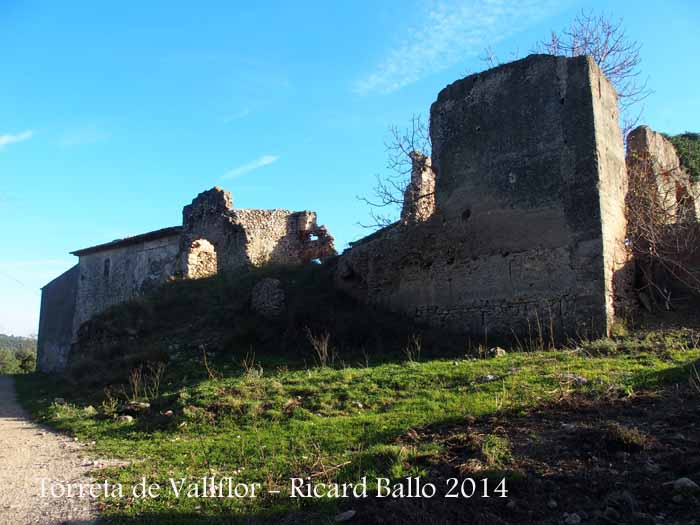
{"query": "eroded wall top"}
(529, 207)
(652, 160)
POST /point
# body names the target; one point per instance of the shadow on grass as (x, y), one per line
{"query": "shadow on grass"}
(317, 512)
(38, 387)
(681, 374)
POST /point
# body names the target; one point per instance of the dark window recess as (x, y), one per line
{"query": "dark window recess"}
(108, 263)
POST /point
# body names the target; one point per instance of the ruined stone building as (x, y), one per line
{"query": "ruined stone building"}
(528, 226)
(514, 227)
(674, 189)
(419, 196)
(214, 236)
(521, 232)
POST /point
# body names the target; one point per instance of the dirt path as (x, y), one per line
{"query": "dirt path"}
(29, 453)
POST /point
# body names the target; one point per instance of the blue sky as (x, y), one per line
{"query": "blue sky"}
(113, 115)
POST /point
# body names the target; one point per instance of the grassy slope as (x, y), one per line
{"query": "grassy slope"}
(298, 423)
(278, 417)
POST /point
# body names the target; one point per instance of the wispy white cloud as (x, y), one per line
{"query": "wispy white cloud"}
(451, 31)
(258, 163)
(13, 139)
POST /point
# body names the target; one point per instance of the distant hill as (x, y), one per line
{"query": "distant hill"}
(17, 354)
(12, 342)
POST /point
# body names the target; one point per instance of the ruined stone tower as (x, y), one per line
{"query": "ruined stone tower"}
(529, 223)
(419, 196)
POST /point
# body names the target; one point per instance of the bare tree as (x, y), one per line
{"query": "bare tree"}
(589, 34)
(615, 53)
(662, 230)
(489, 57)
(388, 192)
(607, 42)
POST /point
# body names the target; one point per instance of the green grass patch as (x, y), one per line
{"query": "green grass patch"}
(268, 423)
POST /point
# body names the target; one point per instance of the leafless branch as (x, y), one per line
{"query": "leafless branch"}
(389, 188)
(662, 229)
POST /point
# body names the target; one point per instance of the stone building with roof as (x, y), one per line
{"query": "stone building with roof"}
(214, 236)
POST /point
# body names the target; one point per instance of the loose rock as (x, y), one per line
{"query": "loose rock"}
(686, 485)
(268, 298)
(497, 351)
(345, 516)
(572, 519)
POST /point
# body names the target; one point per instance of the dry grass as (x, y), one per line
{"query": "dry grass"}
(324, 353)
(628, 439)
(145, 381)
(413, 348)
(694, 380)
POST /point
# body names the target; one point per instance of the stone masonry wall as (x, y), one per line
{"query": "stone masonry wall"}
(279, 236)
(56, 321)
(529, 221)
(243, 237)
(666, 192)
(419, 196)
(201, 260)
(214, 237)
(209, 217)
(675, 193)
(116, 275)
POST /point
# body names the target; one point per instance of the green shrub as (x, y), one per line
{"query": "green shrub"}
(496, 450)
(688, 148)
(17, 354)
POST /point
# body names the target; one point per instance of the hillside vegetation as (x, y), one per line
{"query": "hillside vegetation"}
(188, 383)
(17, 354)
(688, 147)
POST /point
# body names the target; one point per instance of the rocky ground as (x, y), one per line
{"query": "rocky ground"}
(632, 459)
(28, 454)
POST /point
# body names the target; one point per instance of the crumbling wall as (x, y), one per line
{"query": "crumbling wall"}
(214, 236)
(419, 196)
(284, 237)
(56, 321)
(201, 260)
(243, 237)
(115, 275)
(210, 217)
(529, 218)
(674, 192)
(663, 210)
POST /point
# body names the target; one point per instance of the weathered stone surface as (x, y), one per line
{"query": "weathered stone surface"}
(243, 237)
(201, 260)
(268, 298)
(674, 191)
(419, 197)
(214, 236)
(529, 221)
(121, 272)
(56, 321)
